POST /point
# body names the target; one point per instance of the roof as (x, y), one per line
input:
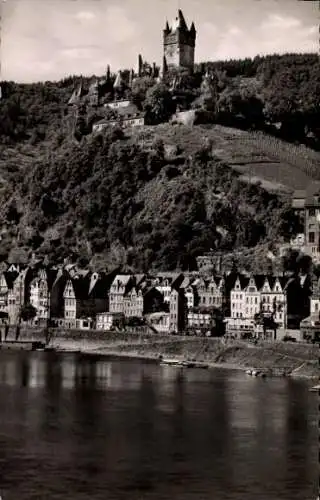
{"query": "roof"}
(158, 315)
(99, 289)
(122, 279)
(118, 81)
(81, 286)
(299, 194)
(187, 281)
(313, 194)
(128, 111)
(10, 278)
(179, 22)
(139, 278)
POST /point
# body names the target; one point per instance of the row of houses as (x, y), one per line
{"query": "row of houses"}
(69, 297)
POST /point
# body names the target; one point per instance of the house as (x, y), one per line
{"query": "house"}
(56, 294)
(312, 221)
(298, 201)
(190, 291)
(6, 284)
(84, 296)
(245, 303)
(274, 299)
(142, 300)
(126, 115)
(160, 321)
(18, 295)
(118, 103)
(120, 287)
(210, 292)
(164, 282)
(315, 299)
(238, 298)
(177, 310)
(239, 326)
(298, 293)
(108, 321)
(200, 319)
(39, 293)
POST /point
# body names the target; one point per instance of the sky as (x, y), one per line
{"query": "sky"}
(51, 39)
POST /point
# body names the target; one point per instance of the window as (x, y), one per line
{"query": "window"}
(312, 212)
(311, 237)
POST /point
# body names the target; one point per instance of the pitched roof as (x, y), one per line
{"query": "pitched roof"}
(313, 194)
(81, 286)
(10, 278)
(122, 279)
(118, 81)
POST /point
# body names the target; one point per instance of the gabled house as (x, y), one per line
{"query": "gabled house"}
(252, 296)
(298, 291)
(39, 293)
(57, 294)
(274, 300)
(160, 321)
(190, 292)
(6, 284)
(315, 299)
(238, 297)
(177, 310)
(141, 300)
(85, 295)
(164, 282)
(120, 287)
(19, 294)
(210, 292)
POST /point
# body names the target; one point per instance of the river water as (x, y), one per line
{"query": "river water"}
(77, 427)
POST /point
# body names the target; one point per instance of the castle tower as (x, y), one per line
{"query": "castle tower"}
(179, 44)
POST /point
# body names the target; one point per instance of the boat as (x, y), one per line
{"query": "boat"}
(183, 363)
(172, 362)
(315, 388)
(200, 364)
(256, 373)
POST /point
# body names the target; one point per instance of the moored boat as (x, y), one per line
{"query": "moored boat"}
(315, 388)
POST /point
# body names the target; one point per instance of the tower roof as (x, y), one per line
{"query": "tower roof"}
(118, 81)
(179, 22)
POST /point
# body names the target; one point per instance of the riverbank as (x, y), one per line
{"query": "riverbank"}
(274, 358)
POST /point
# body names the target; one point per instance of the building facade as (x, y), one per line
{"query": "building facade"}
(179, 44)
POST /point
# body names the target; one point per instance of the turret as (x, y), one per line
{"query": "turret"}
(179, 43)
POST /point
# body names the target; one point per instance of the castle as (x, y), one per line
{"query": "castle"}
(179, 44)
(178, 56)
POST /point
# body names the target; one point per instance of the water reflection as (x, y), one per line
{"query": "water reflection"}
(75, 426)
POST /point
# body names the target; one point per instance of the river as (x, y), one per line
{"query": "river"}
(77, 427)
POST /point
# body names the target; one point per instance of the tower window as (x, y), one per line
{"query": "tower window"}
(311, 237)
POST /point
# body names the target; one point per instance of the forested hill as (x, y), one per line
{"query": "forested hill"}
(115, 198)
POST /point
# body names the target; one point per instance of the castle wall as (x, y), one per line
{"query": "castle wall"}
(186, 56)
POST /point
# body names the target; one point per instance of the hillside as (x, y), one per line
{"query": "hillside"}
(258, 156)
(161, 195)
(111, 201)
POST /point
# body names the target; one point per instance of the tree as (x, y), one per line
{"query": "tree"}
(27, 312)
(140, 88)
(159, 105)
